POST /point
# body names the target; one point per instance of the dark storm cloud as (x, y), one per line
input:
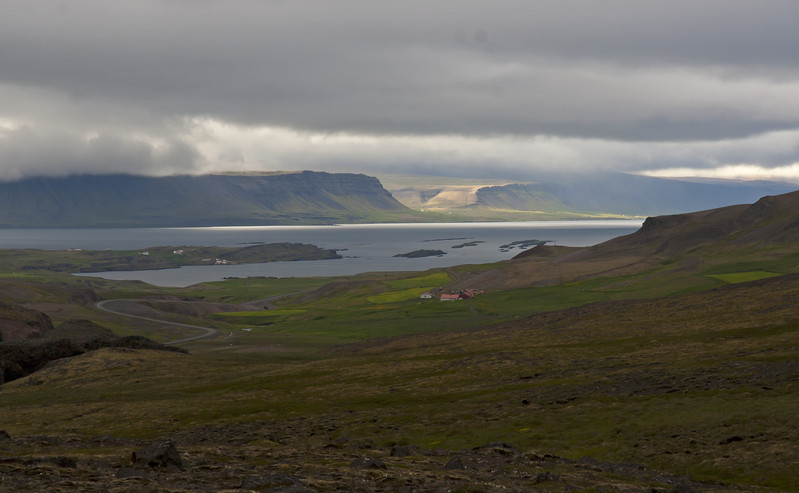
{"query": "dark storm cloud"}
(628, 71)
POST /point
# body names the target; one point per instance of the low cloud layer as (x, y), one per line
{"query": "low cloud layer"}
(517, 87)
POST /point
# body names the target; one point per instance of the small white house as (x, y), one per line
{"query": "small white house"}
(427, 295)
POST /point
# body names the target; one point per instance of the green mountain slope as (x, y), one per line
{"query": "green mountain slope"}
(771, 221)
(209, 200)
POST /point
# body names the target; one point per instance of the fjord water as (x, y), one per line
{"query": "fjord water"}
(365, 247)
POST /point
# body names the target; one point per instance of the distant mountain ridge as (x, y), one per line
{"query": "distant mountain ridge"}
(209, 200)
(589, 194)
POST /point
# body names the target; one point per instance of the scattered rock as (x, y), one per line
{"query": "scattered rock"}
(499, 447)
(274, 482)
(367, 463)
(44, 440)
(684, 487)
(4, 435)
(546, 476)
(65, 462)
(402, 451)
(129, 472)
(158, 455)
(455, 464)
(362, 443)
(735, 438)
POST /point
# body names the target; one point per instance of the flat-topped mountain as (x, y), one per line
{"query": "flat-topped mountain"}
(210, 200)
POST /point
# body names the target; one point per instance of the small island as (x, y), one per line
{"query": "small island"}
(468, 244)
(422, 253)
(162, 257)
(522, 244)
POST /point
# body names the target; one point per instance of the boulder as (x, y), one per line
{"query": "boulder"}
(455, 464)
(403, 451)
(367, 463)
(159, 455)
(502, 448)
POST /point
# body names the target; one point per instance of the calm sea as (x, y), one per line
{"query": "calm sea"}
(366, 247)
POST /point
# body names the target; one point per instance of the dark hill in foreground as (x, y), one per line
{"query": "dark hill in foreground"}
(769, 222)
(209, 200)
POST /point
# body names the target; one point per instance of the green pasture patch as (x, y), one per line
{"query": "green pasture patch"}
(737, 277)
(253, 288)
(383, 320)
(396, 296)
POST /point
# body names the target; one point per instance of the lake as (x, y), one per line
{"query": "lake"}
(366, 247)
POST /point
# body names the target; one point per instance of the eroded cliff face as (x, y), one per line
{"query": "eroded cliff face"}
(126, 200)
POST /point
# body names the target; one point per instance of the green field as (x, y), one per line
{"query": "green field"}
(744, 276)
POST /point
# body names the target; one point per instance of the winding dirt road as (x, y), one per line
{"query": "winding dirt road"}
(207, 331)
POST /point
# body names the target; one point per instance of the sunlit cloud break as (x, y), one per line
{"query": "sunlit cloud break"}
(744, 172)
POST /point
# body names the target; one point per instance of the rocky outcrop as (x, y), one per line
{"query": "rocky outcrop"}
(69, 339)
(83, 296)
(19, 360)
(158, 455)
(18, 323)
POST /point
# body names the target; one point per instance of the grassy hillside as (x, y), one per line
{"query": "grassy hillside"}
(661, 361)
(623, 394)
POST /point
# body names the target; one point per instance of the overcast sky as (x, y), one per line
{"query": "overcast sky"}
(476, 88)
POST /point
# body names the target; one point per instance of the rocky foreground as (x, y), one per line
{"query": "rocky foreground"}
(296, 457)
